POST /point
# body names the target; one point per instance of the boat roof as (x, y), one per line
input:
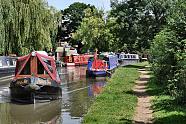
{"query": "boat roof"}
(47, 62)
(42, 52)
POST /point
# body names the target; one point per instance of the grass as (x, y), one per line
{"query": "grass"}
(166, 110)
(116, 104)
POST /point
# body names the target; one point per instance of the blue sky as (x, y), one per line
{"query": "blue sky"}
(62, 4)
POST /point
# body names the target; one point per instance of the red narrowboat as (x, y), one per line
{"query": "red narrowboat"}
(77, 60)
(36, 79)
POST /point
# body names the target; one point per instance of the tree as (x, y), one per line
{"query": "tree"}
(168, 52)
(75, 12)
(72, 17)
(139, 21)
(93, 31)
(26, 26)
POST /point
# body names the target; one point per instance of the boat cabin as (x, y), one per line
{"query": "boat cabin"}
(36, 64)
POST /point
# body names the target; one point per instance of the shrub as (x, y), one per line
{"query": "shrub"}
(169, 63)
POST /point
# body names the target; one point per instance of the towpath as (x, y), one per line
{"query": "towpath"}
(143, 112)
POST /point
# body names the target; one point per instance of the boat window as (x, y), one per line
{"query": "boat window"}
(48, 63)
(50, 68)
(106, 58)
(10, 62)
(14, 62)
(125, 56)
(40, 69)
(1, 64)
(91, 59)
(101, 57)
(26, 69)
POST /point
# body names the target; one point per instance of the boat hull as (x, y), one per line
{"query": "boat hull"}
(7, 70)
(91, 73)
(26, 94)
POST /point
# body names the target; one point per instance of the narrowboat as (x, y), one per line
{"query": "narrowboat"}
(72, 58)
(77, 59)
(128, 59)
(102, 65)
(7, 64)
(36, 79)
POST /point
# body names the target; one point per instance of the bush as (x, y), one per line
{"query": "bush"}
(169, 63)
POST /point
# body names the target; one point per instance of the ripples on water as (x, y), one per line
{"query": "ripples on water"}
(78, 92)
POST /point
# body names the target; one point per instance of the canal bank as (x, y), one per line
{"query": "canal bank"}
(117, 102)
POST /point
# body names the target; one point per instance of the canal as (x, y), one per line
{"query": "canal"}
(78, 93)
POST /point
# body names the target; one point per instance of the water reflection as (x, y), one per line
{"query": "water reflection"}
(78, 93)
(31, 114)
(96, 88)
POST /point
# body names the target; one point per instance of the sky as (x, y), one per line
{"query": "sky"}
(62, 4)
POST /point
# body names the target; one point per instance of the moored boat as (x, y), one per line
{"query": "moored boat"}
(36, 79)
(128, 59)
(72, 58)
(7, 64)
(77, 59)
(102, 65)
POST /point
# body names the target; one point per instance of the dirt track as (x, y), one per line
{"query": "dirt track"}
(143, 113)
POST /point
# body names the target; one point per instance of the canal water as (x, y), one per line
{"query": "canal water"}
(78, 93)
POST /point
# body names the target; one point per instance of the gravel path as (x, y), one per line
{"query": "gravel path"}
(143, 113)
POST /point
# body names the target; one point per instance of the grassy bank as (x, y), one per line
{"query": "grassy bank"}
(116, 104)
(166, 110)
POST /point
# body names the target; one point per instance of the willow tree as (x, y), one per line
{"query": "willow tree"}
(27, 25)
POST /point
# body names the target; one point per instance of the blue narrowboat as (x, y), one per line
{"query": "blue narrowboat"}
(102, 65)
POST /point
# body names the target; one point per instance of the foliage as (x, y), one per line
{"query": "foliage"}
(163, 55)
(27, 25)
(130, 25)
(75, 13)
(169, 53)
(165, 109)
(138, 22)
(116, 104)
(93, 31)
(72, 18)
